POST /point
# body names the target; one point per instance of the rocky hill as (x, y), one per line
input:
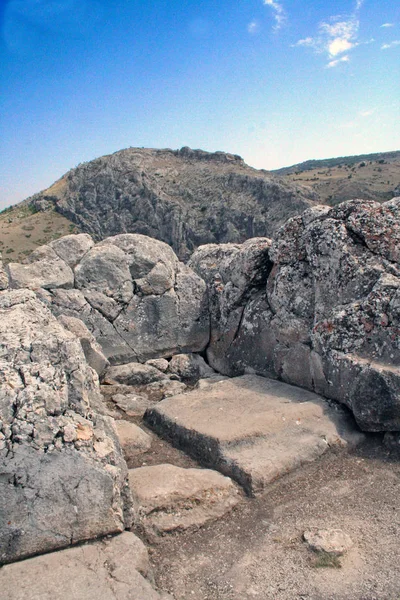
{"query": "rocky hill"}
(367, 176)
(185, 197)
(142, 396)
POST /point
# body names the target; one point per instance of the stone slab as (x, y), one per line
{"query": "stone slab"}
(168, 498)
(133, 440)
(113, 569)
(252, 428)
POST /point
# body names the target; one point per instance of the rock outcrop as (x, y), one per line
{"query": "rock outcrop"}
(62, 475)
(132, 293)
(318, 309)
(184, 198)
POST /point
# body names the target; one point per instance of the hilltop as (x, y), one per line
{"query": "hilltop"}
(188, 197)
(184, 197)
(367, 176)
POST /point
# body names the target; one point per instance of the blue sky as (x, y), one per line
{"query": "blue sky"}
(276, 81)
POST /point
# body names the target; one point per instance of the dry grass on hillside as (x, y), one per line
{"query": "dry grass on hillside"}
(22, 230)
(370, 180)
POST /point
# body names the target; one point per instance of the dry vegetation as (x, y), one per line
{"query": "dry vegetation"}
(368, 179)
(22, 230)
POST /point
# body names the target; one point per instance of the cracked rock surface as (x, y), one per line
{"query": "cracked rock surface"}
(319, 309)
(62, 475)
(134, 296)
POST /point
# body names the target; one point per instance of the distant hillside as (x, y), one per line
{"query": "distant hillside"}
(23, 229)
(368, 176)
(323, 163)
(184, 197)
(189, 197)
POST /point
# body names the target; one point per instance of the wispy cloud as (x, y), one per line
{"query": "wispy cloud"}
(367, 113)
(279, 13)
(387, 25)
(336, 36)
(390, 45)
(336, 62)
(253, 27)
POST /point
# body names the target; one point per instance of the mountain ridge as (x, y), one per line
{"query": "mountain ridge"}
(184, 197)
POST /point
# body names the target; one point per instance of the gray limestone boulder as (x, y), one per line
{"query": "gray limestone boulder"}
(320, 312)
(72, 248)
(44, 269)
(159, 363)
(134, 374)
(135, 297)
(186, 367)
(62, 474)
(93, 353)
(233, 273)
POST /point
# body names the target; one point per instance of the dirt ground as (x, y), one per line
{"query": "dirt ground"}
(257, 550)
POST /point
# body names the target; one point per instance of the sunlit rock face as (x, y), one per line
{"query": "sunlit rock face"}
(131, 291)
(183, 197)
(319, 308)
(62, 475)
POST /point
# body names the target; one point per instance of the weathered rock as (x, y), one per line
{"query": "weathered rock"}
(190, 368)
(133, 294)
(331, 541)
(326, 316)
(116, 568)
(62, 475)
(74, 303)
(3, 276)
(158, 390)
(132, 374)
(105, 269)
(186, 367)
(168, 498)
(184, 197)
(133, 440)
(133, 405)
(91, 348)
(159, 363)
(45, 270)
(233, 274)
(72, 248)
(253, 429)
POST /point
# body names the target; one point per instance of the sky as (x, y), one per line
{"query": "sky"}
(276, 81)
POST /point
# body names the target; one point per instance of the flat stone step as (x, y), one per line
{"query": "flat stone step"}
(167, 498)
(252, 428)
(133, 440)
(117, 568)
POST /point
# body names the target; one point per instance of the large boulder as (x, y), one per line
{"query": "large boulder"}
(234, 273)
(323, 311)
(62, 475)
(131, 291)
(43, 269)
